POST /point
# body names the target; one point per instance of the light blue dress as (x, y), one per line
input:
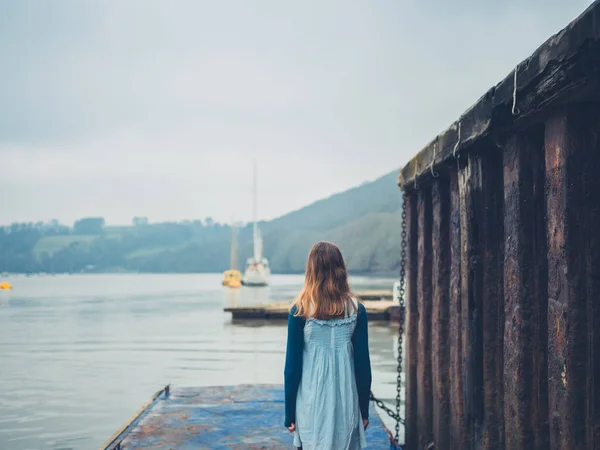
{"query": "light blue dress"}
(328, 415)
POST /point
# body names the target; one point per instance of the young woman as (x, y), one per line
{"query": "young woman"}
(327, 367)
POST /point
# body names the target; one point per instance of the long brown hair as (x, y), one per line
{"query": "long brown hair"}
(326, 292)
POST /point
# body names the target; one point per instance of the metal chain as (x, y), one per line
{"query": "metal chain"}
(401, 313)
(401, 318)
(389, 412)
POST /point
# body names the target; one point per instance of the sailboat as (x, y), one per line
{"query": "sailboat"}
(233, 277)
(257, 266)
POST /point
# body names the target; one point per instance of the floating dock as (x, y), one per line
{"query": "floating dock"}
(376, 310)
(375, 295)
(221, 417)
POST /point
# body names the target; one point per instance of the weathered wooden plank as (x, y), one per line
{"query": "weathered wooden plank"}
(567, 340)
(412, 322)
(440, 350)
(564, 65)
(471, 207)
(493, 299)
(424, 291)
(458, 431)
(525, 297)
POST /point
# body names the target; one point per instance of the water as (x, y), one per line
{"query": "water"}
(80, 354)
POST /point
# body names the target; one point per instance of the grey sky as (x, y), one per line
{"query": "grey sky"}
(156, 108)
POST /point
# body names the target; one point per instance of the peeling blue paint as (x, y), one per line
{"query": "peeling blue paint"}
(220, 417)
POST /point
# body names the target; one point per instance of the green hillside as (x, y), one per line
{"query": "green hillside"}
(379, 196)
(364, 221)
(48, 245)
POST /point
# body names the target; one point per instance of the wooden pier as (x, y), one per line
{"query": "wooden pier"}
(503, 213)
(376, 310)
(374, 295)
(219, 418)
(377, 303)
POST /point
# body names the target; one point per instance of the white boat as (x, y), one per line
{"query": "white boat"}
(257, 271)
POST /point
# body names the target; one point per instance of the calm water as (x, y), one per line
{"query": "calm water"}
(80, 354)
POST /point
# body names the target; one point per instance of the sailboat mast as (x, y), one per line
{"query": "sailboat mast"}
(255, 237)
(234, 249)
(254, 197)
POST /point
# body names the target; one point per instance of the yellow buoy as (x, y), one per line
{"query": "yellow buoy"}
(5, 285)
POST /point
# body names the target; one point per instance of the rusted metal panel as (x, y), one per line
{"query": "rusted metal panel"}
(567, 323)
(412, 325)
(593, 277)
(525, 297)
(524, 264)
(471, 208)
(458, 430)
(440, 349)
(541, 419)
(473, 125)
(566, 64)
(517, 358)
(493, 298)
(220, 417)
(424, 291)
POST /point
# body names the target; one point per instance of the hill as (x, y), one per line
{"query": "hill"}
(364, 221)
(379, 196)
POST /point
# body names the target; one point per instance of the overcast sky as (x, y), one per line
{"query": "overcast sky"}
(119, 108)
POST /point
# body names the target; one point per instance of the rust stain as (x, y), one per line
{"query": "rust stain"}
(230, 417)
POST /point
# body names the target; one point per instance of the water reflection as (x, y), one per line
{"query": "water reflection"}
(232, 297)
(80, 354)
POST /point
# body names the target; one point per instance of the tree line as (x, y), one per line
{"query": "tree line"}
(90, 246)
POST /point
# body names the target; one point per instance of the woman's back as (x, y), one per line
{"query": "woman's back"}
(327, 412)
(327, 368)
(330, 334)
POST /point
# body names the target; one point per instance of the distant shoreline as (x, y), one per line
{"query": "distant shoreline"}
(125, 272)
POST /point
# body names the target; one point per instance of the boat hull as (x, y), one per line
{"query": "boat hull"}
(254, 283)
(256, 274)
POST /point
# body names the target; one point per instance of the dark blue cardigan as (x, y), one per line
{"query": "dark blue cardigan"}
(293, 362)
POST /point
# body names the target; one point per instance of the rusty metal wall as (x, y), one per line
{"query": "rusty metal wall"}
(504, 292)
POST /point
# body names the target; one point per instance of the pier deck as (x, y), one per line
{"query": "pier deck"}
(221, 417)
(376, 310)
(375, 294)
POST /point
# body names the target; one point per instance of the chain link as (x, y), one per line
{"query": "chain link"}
(387, 410)
(401, 313)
